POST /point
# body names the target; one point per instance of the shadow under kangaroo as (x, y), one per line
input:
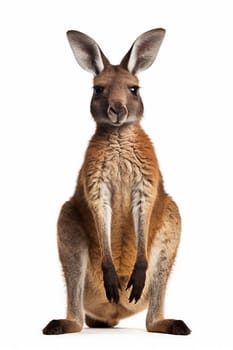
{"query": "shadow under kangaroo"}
(118, 234)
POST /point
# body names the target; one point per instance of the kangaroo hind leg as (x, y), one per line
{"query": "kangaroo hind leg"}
(163, 254)
(73, 253)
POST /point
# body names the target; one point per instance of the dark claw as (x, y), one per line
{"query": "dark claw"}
(137, 281)
(130, 283)
(136, 293)
(111, 283)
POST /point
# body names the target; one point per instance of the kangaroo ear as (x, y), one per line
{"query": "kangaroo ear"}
(87, 52)
(143, 51)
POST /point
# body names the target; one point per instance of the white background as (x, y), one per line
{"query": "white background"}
(44, 130)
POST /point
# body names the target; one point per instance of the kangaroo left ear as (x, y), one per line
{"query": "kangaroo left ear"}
(143, 51)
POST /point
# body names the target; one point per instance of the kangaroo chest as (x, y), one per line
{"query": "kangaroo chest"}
(122, 173)
(117, 168)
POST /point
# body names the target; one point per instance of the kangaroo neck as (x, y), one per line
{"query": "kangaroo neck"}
(123, 132)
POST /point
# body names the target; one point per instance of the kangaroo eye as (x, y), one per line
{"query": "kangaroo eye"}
(134, 90)
(98, 89)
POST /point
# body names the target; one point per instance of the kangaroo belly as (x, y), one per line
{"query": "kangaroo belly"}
(123, 240)
(123, 243)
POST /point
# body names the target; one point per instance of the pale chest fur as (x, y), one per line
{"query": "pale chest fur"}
(120, 164)
(122, 172)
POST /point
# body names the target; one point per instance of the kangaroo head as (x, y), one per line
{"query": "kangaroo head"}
(116, 99)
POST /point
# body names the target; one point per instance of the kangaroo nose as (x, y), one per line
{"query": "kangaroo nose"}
(117, 112)
(117, 109)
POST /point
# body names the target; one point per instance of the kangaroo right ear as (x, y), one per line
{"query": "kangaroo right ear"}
(87, 52)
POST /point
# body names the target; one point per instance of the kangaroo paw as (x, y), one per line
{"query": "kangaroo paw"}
(111, 283)
(137, 282)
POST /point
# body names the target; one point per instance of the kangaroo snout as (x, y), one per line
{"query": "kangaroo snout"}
(117, 113)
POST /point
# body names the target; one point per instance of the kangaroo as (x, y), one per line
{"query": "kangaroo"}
(118, 234)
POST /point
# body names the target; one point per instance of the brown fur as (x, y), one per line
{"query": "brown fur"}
(119, 185)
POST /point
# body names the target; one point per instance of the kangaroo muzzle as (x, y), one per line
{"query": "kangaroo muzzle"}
(117, 113)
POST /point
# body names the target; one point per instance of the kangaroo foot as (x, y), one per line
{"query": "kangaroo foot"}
(169, 326)
(61, 326)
